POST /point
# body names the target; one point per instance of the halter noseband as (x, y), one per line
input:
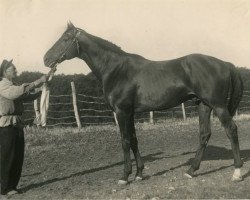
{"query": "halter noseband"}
(67, 49)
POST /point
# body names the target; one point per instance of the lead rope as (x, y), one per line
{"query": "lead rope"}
(44, 103)
(41, 117)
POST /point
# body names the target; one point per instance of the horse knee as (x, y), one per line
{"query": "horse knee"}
(134, 142)
(125, 145)
(233, 127)
(205, 137)
(232, 131)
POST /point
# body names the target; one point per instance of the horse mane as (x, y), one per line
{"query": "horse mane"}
(105, 44)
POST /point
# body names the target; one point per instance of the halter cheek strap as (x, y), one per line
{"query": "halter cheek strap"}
(73, 41)
(77, 43)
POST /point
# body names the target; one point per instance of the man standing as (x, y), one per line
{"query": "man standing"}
(11, 125)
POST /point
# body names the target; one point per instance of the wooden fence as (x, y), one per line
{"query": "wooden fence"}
(81, 110)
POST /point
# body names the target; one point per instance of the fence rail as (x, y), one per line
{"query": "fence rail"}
(81, 109)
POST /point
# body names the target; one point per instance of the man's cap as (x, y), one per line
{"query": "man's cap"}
(5, 65)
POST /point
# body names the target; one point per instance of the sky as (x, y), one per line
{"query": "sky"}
(154, 29)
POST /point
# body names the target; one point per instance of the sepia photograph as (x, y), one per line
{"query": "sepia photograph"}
(124, 99)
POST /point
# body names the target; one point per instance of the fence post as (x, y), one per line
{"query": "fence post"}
(151, 120)
(116, 122)
(75, 105)
(183, 111)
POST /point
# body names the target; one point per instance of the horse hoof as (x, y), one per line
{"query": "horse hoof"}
(237, 179)
(138, 178)
(122, 182)
(188, 175)
(237, 175)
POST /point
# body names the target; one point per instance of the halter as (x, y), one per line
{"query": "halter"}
(67, 49)
(73, 41)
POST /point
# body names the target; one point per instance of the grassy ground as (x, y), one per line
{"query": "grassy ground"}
(68, 163)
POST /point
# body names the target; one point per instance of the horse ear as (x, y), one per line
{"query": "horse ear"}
(70, 25)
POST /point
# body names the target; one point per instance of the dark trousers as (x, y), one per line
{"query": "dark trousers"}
(12, 155)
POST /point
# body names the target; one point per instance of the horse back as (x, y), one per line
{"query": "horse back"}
(145, 85)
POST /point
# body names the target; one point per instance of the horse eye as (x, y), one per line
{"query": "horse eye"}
(66, 37)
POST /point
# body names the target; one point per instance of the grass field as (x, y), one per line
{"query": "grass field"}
(68, 163)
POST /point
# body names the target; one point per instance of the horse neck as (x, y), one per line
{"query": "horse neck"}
(100, 60)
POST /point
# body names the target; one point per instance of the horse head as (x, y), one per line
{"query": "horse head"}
(65, 48)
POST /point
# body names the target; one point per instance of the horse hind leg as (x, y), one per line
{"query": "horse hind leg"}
(231, 131)
(204, 135)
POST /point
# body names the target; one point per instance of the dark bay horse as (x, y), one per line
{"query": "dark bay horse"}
(132, 84)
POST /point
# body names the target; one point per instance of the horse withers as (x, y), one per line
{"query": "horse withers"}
(132, 84)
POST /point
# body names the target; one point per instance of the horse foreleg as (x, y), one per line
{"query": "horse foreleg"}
(204, 134)
(123, 119)
(134, 147)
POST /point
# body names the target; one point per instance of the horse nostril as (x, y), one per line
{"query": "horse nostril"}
(46, 61)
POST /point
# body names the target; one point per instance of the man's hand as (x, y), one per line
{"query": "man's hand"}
(51, 72)
(43, 79)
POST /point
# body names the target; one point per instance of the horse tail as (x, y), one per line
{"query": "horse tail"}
(236, 91)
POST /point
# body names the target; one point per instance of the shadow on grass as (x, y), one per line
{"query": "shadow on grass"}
(214, 153)
(211, 153)
(149, 158)
(34, 174)
(221, 153)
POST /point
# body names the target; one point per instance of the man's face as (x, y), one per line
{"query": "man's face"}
(11, 72)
